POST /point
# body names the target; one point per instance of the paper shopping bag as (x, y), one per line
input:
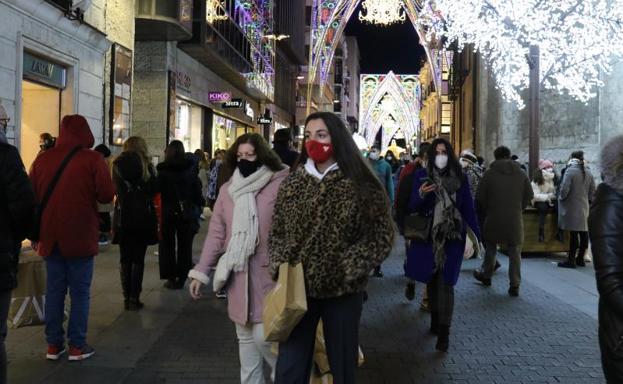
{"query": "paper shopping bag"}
(28, 299)
(286, 304)
(321, 359)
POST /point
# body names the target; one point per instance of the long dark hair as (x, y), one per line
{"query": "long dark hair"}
(175, 152)
(538, 178)
(265, 155)
(579, 155)
(348, 157)
(453, 161)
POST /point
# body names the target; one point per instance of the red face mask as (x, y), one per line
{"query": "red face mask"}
(318, 152)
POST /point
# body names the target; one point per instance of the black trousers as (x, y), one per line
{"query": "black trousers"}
(543, 208)
(579, 240)
(131, 268)
(5, 302)
(441, 299)
(176, 249)
(340, 317)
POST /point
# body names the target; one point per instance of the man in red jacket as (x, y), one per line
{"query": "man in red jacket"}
(70, 231)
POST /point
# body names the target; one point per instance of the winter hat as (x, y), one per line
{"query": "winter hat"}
(544, 164)
(469, 155)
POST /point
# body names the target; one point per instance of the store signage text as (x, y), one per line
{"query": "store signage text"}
(183, 81)
(265, 120)
(219, 97)
(233, 104)
(44, 71)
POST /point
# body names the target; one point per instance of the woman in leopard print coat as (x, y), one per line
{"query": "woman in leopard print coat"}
(332, 215)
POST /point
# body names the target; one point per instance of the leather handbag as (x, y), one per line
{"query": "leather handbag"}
(417, 227)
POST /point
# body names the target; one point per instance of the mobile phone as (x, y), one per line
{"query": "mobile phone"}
(427, 180)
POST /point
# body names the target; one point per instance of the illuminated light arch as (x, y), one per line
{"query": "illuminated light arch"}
(385, 97)
(329, 19)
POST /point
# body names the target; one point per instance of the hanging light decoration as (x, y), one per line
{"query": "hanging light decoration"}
(214, 11)
(382, 12)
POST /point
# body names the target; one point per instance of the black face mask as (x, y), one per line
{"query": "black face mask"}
(247, 167)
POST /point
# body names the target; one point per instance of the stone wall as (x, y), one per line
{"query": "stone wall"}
(566, 124)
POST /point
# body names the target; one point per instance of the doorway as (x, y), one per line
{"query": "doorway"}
(41, 112)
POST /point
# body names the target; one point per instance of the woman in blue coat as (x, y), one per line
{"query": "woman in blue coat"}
(441, 192)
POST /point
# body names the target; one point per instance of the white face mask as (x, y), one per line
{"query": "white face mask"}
(373, 155)
(441, 161)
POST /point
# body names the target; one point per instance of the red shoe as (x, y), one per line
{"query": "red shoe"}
(55, 352)
(77, 354)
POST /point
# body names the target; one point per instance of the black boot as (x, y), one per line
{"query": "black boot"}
(579, 260)
(570, 263)
(377, 272)
(136, 287)
(434, 320)
(443, 338)
(541, 235)
(125, 272)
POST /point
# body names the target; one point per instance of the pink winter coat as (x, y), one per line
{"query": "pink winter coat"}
(245, 290)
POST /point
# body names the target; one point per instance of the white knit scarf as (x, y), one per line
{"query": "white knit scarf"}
(245, 225)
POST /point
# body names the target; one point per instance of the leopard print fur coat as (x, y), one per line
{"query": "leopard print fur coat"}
(324, 224)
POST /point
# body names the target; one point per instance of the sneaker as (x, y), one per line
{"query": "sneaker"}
(222, 294)
(103, 240)
(77, 354)
(55, 352)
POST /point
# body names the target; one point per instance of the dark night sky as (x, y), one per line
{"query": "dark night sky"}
(383, 49)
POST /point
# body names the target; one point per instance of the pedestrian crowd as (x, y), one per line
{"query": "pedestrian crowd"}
(331, 210)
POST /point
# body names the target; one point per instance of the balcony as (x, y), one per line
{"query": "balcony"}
(164, 20)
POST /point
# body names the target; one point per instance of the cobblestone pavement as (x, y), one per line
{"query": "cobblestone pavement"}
(539, 337)
(535, 338)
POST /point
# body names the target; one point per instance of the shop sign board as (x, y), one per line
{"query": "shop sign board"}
(43, 71)
(219, 97)
(265, 120)
(183, 81)
(233, 104)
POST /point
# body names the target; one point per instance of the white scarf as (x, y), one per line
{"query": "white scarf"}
(245, 225)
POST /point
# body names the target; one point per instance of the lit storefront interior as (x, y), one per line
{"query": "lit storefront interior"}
(188, 125)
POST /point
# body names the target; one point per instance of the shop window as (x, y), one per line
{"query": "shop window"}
(188, 125)
(121, 90)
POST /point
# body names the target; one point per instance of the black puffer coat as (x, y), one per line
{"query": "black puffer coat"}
(178, 182)
(134, 198)
(17, 202)
(606, 233)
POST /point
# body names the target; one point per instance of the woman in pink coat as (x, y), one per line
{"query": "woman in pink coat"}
(237, 247)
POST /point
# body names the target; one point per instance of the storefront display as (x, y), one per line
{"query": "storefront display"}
(120, 95)
(188, 125)
(225, 131)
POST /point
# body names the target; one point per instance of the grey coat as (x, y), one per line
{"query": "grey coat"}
(504, 192)
(576, 190)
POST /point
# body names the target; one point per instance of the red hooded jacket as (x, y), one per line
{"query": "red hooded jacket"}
(70, 220)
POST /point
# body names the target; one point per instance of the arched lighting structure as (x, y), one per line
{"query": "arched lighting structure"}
(329, 19)
(389, 98)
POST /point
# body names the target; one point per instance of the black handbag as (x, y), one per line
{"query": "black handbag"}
(36, 224)
(417, 227)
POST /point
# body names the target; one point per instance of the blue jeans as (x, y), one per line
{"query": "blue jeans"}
(75, 274)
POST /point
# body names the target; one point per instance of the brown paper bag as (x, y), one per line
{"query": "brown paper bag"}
(28, 299)
(322, 372)
(286, 304)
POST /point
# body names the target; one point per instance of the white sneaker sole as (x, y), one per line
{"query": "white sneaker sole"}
(55, 357)
(81, 357)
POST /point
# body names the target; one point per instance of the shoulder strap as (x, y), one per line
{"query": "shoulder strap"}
(56, 178)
